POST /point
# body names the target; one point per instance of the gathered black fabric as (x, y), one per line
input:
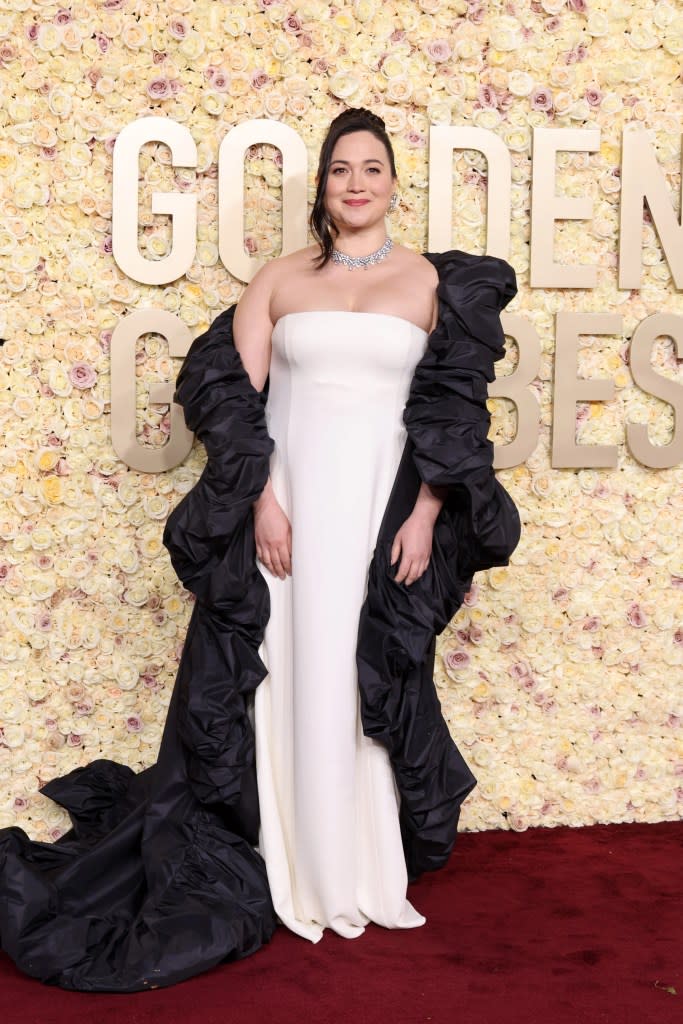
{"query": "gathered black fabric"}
(158, 878)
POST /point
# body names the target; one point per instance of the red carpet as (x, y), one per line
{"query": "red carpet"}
(550, 926)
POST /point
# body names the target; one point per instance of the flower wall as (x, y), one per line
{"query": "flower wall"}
(561, 676)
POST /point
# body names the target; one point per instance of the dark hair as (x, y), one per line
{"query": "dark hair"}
(355, 119)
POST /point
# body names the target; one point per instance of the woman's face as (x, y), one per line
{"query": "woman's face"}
(359, 181)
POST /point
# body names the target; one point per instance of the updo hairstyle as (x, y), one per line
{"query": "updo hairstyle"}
(355, 119)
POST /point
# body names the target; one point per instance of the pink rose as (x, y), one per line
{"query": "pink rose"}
(457, 660)
(158, 56)
(476, 12)
(438, 50)
(577, 5)
(635, 615)
(259, 78)
(292, 24)
(31, 31)
(541, 99)
(178, 27)
(134, 723)
(552, 24)
(486, 96)
(520, 670)
(62, 17)
(82, 375)
(416, 138)
(220, 80)
(159, 88)
(593, 97)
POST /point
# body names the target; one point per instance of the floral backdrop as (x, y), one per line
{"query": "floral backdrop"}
(561, 676)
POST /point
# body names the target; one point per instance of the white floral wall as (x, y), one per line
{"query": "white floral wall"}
(562, 675)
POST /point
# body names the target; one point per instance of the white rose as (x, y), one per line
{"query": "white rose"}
(520, 83)
(343, 84)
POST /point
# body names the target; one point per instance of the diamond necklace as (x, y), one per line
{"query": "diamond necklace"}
(356, 262)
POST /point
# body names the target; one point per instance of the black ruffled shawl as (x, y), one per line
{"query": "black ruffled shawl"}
(158, 878)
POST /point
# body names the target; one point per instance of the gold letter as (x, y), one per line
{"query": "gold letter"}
(235, 258)
(568, 389)
(123, 439)
(642, 180)
(182, 208)
(657, 456)
(515, 387)
(443, 139)
(546, 208)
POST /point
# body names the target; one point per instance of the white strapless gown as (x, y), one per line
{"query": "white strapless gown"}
(329, 805)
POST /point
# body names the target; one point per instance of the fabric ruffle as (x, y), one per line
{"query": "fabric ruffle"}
(158, 878)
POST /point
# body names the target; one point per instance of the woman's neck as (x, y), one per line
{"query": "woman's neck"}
(361, 243)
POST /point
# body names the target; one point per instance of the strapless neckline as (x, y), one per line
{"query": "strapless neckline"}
(350, 312)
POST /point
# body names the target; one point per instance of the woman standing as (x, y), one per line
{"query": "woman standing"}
(333, 533)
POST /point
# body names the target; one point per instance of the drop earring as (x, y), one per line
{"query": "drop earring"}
(393, 202)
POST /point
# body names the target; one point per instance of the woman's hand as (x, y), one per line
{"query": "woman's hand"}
(273, 534)
(413, 541)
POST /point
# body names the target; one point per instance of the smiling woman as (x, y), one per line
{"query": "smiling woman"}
(305, 769)
(339, 351)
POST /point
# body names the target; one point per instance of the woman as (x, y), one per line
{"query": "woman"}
(344, 347)
(332, 534)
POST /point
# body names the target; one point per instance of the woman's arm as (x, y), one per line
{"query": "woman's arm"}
(253, 329)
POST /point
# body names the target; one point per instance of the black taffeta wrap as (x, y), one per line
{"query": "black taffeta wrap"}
(158, 879)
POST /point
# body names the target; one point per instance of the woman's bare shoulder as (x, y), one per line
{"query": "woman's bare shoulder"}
(291, 263)
(415, 264)
(283, 271)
